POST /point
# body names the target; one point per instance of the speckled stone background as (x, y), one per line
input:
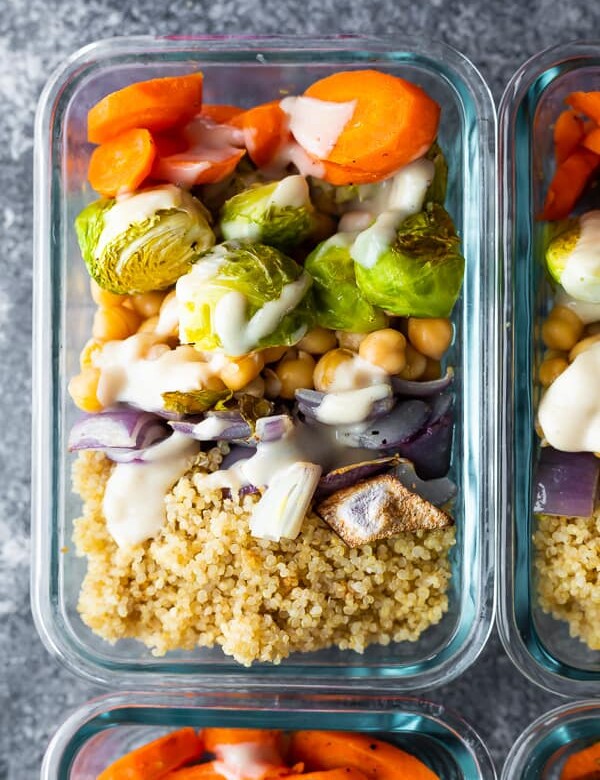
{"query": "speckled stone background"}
(35, 35)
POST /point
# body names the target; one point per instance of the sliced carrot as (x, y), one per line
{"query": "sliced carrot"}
(122, 164)
(320, 750)
(169, 143)
(156, 759)
(189, 168)
(207, 771)
(343, 773)
(568, 183)
(583, 765)
(158, 104)
(220, 113)
(587, 103)
(568, 132)
(592, 140)
(394, 121)
(265, 131)
(215, 737)
(342, 175)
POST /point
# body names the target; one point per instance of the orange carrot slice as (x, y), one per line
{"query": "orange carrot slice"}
(156, 759)
(394, 121)
(587, 103)
(343, 773)
(583, 765)
(265, 131)
(169, 143)
(320, 750)
(121, 165)
(158, 104)
(190, 168)
(568, 132)
(220, 113)
(206, 771)
(568, 183)
(341, 175)
(215, 737)
(592, 140)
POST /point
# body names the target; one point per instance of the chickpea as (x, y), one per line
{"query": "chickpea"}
(239, 372)
(92, 348)
(256, 387)
(416, 364)
(554, 353)
(272, 383)
(295, 374)
(583, 346)
(433, 370)
(350, 340)
(550, 369)
(326, 368)
(115, 323)
(168, 320)
(156, 351)
(103, 297)
(318, 341)
(83, 390)
(431, 337)
(562, 330)
(149, 325)
(147, 304)
(384, 348)
(273, 354)
(592, 329)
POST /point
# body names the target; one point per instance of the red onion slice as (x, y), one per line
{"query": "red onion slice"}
(117, 429)
(414, 389)
(566, 483)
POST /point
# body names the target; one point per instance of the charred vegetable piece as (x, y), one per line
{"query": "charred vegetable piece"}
(346, 476)
(566, 483)
(379, 508)
(194, 401)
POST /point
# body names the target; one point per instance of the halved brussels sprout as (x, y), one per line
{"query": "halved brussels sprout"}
(145, 241)
(278, 214)
(410, 269)
(339, 304)
(573, 258)
(241, 297)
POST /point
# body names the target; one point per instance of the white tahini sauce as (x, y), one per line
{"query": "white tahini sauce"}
(356, 374)
(355, 221)
(292, 152)
(317, 124)
(245, 761)
(238, 334)
(129, 209)
(569, 412)
(290, 192)
(581, 276)
(134, 499)
(375, 241)
(586, 311)
(351, 406)
(127, 376)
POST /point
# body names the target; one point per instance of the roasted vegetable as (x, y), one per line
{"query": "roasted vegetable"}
(573, 260)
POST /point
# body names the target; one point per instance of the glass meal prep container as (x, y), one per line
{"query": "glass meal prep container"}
(247, 71)
(539, 644)
(542, 749)
(107, 727)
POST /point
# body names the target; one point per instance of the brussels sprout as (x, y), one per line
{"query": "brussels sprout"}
(213, 196)
(414, 268)
(144, 241)
(332, 199)
(573, 259)
(240, 297)
(278, 214)
(436, 192)
(339, 304)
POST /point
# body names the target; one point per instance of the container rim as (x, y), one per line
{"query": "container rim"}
(533, 70)
(99, 51)
(541, 727)
(78, 717)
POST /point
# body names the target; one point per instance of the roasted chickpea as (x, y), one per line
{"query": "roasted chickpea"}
(273, 354)
(350, 340)
(103, 297)
(83, 389)
(115, 323)
(272, 383)
(583, 346)
(592, 329)
(295, 374)
(384, 348)
(92, 348)
(327, 367)
(431, 336)
(416, 364)
(239, 372)
(550, 369)
(562, 330)
(147, 304)
(318, 341)
(149, 325)
(433, 370)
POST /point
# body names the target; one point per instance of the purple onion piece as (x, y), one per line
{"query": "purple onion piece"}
(212, 429)
(438, 492)
(566, 483)
(414, 389)
(346, 476)
(274, 427)
(245, 490)
(234, 455)
(121, 429)
(310, 400)
(387, 433)
(430, 450)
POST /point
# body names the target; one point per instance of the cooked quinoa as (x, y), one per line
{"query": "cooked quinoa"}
(568, 566)
(205, 581)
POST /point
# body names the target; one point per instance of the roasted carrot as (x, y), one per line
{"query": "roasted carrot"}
(587, 103)
(220, 113)
(343, 773)
(568, 132)
(207, 771)
(583, 765)
(341, 175)
(156, 105)
(393, 123)
(156, 759)
(592, 140)
(568, 183)
(320, 750)
(265, 131)
(189, 168)
(169, 143)
(122, 164)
